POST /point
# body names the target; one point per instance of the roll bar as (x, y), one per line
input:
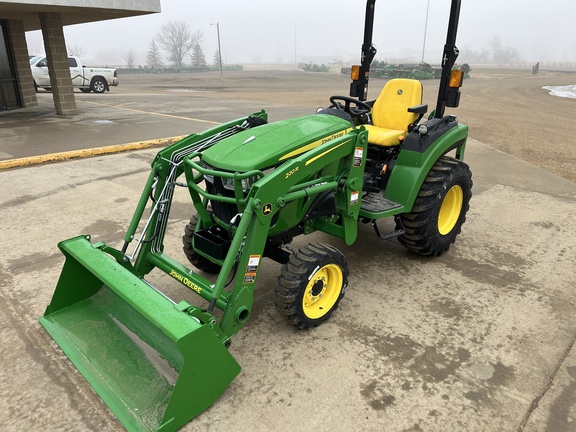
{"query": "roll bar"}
(449, 90)
(359, 86)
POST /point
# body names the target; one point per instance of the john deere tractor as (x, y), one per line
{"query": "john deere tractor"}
(255, 185)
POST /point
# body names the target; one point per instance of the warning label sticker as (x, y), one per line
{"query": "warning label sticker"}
(354, 198)
(253, 263)
(249, 278)
(358, 153)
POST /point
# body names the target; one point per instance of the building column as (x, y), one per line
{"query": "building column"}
(57, 58)
(21, 64)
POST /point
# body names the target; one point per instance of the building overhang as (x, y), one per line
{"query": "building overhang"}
(75, 11)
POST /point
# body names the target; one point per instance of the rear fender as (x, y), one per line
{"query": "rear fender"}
(419, 154)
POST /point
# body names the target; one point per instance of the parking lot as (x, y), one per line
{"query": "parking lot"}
(479, 339)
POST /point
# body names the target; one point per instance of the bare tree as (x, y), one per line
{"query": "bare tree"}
(154, 57)
(75, 50)
(471, 55)
(216, 59)
(177, 39)
(130, 59)
(198, 57)
(502, 54)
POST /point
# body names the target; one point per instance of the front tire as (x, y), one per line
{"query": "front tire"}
(439, 210)
(311, 285)
(200, 262)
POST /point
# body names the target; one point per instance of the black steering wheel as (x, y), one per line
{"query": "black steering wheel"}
(358, 110)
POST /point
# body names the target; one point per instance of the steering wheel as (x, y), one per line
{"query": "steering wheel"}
(359, 109)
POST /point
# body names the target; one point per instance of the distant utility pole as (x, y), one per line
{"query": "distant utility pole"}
(219, 49)
(425, 30)
(295, 44)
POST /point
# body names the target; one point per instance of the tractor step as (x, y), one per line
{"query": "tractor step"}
(376, 203)
(389, 235)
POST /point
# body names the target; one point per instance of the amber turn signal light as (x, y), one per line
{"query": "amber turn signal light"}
(456, 78)
(355, 73)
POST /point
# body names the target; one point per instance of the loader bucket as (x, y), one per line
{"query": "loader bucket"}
(154, 365)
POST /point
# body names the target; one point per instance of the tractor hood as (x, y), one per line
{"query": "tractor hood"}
(273, 143)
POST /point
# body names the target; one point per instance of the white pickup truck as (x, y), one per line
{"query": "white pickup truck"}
(87, 79)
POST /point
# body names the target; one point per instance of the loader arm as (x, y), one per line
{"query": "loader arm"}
(167, 167)
(156, 363)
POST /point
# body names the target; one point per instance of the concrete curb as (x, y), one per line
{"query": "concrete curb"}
(85, 153)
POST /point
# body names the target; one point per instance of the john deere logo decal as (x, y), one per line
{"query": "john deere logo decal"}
(399, 91)
(267, 209)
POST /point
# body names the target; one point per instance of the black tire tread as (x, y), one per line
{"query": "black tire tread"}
(200, 262)
(293, 280)
(421, 224)
(94, 80)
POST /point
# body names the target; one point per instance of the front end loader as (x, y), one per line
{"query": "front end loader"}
(256, 185)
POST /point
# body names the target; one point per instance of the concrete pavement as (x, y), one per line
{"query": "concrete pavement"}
(479, 339)
(115, 119)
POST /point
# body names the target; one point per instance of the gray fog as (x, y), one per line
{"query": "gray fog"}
(273, 31)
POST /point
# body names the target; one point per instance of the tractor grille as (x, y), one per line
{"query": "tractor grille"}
(214, 186)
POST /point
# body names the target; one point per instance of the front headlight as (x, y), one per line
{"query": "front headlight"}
(228, 183)
(208, 178)
(247, 183)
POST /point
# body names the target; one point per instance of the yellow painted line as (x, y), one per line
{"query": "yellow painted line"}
(116, 106)
(155, 113)
(96, 151)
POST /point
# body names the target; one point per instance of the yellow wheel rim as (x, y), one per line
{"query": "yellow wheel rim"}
(322, 291)
(450, 209)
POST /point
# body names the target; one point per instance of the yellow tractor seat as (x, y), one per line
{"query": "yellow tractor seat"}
(398, 106)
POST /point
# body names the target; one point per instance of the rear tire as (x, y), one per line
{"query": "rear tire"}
(311, 285)
(98, 85)
(439, 210)
(200, 262)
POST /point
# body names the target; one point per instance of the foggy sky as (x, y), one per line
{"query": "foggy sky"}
(285, 31)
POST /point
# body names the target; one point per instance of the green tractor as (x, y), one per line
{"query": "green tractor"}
(256, 185)
(425, 71)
